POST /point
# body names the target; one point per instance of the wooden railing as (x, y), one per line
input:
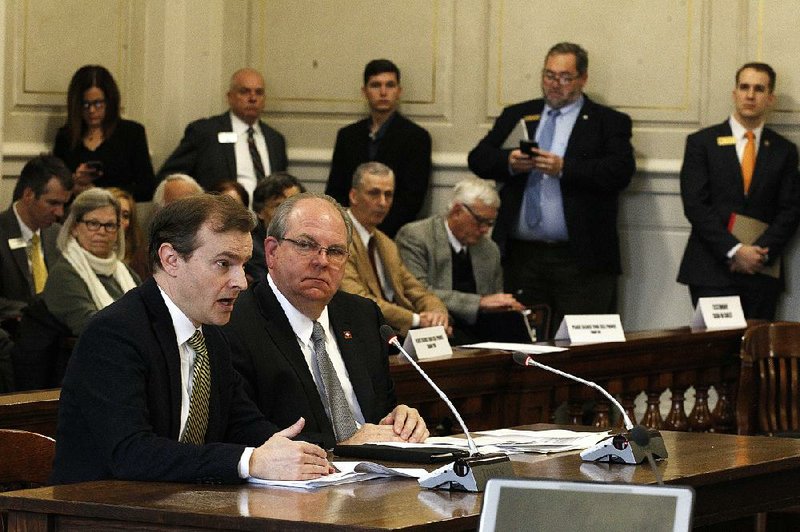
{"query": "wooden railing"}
(491, 391)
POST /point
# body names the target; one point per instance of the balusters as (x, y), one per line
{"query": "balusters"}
(700, 418)
(652, 416)
(676, 419)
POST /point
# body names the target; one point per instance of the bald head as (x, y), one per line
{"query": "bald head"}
(246, 95)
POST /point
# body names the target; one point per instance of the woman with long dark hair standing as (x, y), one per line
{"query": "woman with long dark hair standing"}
(99, 146)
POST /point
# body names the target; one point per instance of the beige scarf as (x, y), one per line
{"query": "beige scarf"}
(89, 266)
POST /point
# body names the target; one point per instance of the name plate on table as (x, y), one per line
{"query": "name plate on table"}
(718, 313)
(430, 342)
(591, 329)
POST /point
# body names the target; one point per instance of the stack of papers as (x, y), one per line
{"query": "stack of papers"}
(348, 472)
(512, 441)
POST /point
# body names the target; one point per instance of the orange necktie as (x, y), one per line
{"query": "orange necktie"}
(748, 160)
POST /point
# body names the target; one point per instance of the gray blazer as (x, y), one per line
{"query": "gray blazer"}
(16, 280)
(426, 253)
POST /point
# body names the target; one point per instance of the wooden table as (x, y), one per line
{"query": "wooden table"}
(733, 476)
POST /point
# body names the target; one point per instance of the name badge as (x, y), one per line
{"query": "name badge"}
(726, 141)
(227, 137)
(531, 118)
(430, 342)
(17, 243)
(591, 329)
(713, 313)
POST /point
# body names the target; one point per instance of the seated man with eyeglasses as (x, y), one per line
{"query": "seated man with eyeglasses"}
(306, 349)
(453, 256)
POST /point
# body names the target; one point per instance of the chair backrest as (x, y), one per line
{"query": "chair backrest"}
(768, 400)
(27, 458)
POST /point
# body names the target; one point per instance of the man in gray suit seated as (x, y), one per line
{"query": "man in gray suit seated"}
(452, 256)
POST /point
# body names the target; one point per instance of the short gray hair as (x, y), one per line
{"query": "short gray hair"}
(158, 195)
(472, 189)
(86, 202)
(371, 168)
(280, 220)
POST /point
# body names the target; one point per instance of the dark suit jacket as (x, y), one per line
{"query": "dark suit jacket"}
(202, 156)
(266, 353)
(16, 280)
(712, 188)
(119, 412)
(405, 148)
(598, 164)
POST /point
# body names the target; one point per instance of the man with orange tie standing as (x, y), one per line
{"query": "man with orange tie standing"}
(740, 168)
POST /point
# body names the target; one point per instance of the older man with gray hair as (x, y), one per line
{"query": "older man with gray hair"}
(452, 256)
(173, 188)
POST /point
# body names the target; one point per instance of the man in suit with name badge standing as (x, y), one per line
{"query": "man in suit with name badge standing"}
(557, 225)
(233, 146)
(740, 168)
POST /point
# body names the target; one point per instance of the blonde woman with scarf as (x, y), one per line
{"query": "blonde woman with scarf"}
(91, 274)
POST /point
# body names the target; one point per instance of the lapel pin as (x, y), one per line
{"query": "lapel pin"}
(347, 335)
(766, 143)
(585, 117)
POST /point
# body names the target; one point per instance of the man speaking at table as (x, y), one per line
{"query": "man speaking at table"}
(150, 392)
(307, 349)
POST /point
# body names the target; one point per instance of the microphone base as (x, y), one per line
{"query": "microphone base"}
(621, 449)
(469, 474)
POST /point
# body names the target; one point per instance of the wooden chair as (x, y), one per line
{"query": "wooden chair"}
(768, 400)
(27, 459)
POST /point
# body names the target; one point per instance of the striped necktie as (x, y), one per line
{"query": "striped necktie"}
(258, 165)
(344, 424)
(197, 422)
(38, 268)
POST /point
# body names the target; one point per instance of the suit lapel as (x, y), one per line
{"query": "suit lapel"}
(364, 266)
(348, 341)
(279, 330)
(727, 157)
(763, 160)
(228, 149)
(442, 254)
(164, 331)
(20, 255)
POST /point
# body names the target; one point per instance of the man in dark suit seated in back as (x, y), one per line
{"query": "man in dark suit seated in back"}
(150, 392)
(28, 232)
(388, 137)
(233, 146)
(557, 226)
(455, 259)
(306, 349)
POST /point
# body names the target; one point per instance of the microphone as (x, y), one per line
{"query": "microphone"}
(641, 437)
(465, 474)
(631, 447)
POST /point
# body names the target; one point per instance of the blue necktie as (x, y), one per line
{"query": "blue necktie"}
(533, 189)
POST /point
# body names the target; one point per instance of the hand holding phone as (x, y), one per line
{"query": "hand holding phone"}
(527, 146)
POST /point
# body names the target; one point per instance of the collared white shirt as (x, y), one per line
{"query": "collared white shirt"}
(738, 131)
(26, 233)
(303, 326)
(365, 236)
(184, 329)
(245, 173)
(454, 243)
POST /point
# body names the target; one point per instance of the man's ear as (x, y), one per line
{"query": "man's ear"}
(170, 259)
(352, 195)
(28, 194)
(270, 248)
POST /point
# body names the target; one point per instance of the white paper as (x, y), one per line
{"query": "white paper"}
(348, 472)
(529, 349)
(714, 313)
(591, 328)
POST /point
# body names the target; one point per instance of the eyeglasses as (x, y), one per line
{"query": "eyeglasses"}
(561, 79)
(96, 104)
(94, 226)
(337, 255)
(483, 222)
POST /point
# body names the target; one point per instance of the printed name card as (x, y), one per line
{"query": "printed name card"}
(430, 342)
(718, 313)
(591, 329)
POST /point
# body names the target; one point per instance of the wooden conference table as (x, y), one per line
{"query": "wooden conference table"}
(733, 476)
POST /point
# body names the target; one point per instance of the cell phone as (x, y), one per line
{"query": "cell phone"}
(527, 146)
(95, 166)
